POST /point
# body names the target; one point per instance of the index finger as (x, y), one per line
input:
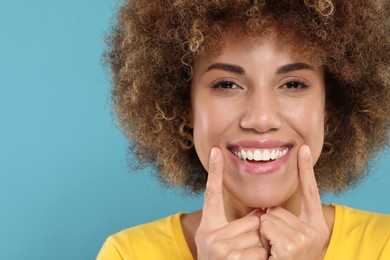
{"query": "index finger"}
(311, 208)
(213, 209)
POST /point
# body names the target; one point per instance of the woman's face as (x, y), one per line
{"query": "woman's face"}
(258, 101)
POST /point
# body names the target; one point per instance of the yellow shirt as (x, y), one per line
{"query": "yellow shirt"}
(162, 239)
(356, 235)
(359, 235)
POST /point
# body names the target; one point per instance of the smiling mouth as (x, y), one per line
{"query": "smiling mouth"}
(259, 155)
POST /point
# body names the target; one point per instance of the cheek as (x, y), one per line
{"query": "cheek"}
(203, 119)
(308, 122)
(316, 136)
(210, 124)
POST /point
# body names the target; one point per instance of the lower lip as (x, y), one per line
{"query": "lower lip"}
(259, 168)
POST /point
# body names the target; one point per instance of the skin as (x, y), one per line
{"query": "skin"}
(258, 94)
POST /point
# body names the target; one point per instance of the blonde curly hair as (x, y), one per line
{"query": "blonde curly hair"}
(153, 46)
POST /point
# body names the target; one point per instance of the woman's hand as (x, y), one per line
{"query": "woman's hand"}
(217, 238)
(287, 236)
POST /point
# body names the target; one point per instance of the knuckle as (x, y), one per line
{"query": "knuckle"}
(252, 222)
(211, 196)
(321, 236)
(199, 235)
(302, 239)
(307, 165)
(265, 223)
(234, 255)
(220, 248)
(209, 193)
(313, 190)
(203, 236)
(290, 248)
(212, 167)
(210, 239)
(324, 232)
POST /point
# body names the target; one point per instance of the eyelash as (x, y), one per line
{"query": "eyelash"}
(299, 82)
(222, 85)
(226, 85)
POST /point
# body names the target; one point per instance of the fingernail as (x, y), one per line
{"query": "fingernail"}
(213, 154)
(259, 212)
(306, 151)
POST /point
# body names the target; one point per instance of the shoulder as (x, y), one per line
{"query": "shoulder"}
(359, 234)
(368, 221)
(160, 227)
(157, 238)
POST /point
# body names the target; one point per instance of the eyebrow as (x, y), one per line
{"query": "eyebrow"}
(226, 67)
(239, 70)
(293, 67)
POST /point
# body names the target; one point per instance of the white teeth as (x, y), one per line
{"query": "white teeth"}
(257, 155)
(243, 154)
(273, 155)
(249, 155)
(266, 155)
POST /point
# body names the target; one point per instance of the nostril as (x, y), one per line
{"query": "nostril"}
(260, 122)
(261, 112)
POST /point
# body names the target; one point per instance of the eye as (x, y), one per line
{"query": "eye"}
(225, 85)
(295, 84)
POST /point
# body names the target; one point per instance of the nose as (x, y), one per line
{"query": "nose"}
(261, 112)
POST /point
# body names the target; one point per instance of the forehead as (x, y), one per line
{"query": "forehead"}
(261, 48)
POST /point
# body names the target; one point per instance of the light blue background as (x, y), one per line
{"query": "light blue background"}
(64, 179)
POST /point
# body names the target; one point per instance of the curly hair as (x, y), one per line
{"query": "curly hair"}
(153, 46)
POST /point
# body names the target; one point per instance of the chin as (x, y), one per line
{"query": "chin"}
(264, 202)
(266, 198)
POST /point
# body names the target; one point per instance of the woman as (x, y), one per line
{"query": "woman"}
(270, 103)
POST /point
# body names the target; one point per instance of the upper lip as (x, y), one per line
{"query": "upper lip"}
(260, 144)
